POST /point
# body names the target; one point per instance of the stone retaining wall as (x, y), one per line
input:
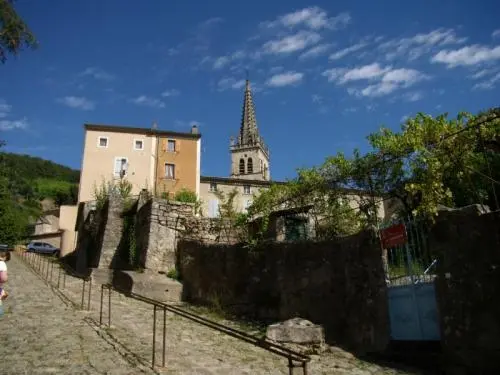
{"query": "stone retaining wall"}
(468, 288)
(339, 284)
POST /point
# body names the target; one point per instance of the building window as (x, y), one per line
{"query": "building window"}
(242, 166)
(213, 186)
(169, 171)
(246, 189)
(121, 166)
(171, 145)
(102, 142)
(250, 165)
(138, 144)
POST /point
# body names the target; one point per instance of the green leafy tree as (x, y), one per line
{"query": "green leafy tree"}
(14, 33)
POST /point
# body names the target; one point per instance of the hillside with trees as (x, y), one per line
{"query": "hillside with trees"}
(26, 182)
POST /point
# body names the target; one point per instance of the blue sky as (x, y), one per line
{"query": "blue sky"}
(325, 74)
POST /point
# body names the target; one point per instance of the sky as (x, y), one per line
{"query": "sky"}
(325, 74)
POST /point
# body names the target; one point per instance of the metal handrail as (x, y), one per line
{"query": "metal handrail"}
(41, 266)
(274, 348)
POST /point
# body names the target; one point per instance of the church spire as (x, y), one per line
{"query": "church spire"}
(249, 154)
(249, 132)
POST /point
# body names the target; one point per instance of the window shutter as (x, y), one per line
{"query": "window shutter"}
(164, 144)
(177, 172)
(118, 164)
(177, 145)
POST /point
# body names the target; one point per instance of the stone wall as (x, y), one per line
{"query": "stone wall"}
(161, 223)
(468, 286)
(339, 284)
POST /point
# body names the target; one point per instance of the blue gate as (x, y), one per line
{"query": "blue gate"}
(411, 292)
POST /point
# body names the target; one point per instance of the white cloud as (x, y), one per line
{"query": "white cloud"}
(317, 99)
(5, 108)
(221, 62)
(230, 83)
(312, 17)
(292, 43)
(276, 69)
(376, 90)
(6, 125)
(148, 102)
(77, 102)
(413, 96)
(343, 75)
(487, 84)
(420, 44)
(316, 51)
(344, 52)
(97, 73)
(495, 34)
(387, 79)
(170, 92)
(285, 79)
(467, 56)
(481, 73)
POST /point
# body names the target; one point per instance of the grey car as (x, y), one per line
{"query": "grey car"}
(42, 248)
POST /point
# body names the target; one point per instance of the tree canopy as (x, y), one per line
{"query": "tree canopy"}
(24, 182)
(431, 161)
(14, 33)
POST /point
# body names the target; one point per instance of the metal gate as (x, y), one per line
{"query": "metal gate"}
(410, 278)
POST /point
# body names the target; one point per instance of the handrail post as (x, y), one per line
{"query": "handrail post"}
(154, 337)
(90, 293)
(304, 365)
(109, 306)
(164, 334)
(58, 276)
(102, 300)
(83, 294)
(290, 366)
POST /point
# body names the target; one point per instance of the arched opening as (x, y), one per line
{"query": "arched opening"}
(250, 165)
(242, 166)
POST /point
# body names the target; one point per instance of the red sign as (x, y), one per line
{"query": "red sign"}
(393, 236)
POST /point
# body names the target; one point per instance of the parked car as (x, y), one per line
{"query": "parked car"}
(42, 248)
(6, 247)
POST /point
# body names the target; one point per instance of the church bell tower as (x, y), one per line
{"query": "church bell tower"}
(249, 153)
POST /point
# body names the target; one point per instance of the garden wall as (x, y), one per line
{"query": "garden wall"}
(467, 242)
(339, 284)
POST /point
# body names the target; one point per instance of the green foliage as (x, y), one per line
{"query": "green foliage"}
(37, 179)
(188, 196)
(230, 220)
(185, 196)
(122, 188)
(61, 192)
(14, 33)
(173, 274)
(432, 161)
(13, 217)
(129, 226)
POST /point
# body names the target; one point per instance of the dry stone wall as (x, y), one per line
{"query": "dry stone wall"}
(467, 242)
(161, 223)
(339, 284)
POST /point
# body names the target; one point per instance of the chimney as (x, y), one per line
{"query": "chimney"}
(194, 129)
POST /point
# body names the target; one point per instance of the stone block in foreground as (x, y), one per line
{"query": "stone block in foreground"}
(296, 331)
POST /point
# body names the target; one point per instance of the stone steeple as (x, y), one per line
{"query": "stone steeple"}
(249, 154)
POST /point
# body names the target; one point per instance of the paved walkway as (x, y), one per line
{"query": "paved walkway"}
(41, 335)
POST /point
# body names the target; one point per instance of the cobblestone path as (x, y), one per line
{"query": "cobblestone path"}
(40, 334)
(71, 346)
